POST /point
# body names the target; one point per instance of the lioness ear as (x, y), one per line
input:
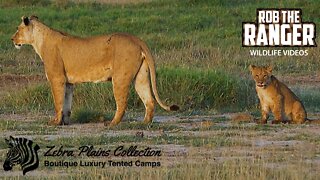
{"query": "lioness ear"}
(25, 20)
(251, 67)
(269, 69)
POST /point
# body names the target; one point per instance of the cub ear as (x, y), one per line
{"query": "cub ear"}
(269, 69)
(34, 17)
(25, 20)
(252, 67)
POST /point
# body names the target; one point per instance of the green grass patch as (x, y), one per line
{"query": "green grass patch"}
(23, 127)
(168, 27)
(310, 97)
(190, 89)
(8, 125)
(190, 40)
(85, 116)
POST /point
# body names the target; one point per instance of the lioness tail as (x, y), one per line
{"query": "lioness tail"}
(148, 57)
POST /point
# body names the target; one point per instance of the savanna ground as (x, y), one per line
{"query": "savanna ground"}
(201, 66)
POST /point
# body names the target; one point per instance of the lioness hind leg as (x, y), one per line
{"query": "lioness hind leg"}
(120, 92)
(143, 88)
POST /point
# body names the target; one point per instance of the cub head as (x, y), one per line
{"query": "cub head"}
(261, 75)
(24, 34)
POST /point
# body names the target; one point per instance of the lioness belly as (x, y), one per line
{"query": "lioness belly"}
(98, 74)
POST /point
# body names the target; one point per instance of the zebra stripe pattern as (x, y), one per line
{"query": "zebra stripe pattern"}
(22, 151)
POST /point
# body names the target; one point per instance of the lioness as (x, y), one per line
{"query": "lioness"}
(120, 58)
(277, 97)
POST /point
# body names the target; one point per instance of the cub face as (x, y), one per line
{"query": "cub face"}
(261, 75)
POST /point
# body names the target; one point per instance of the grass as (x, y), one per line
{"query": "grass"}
(201, 66)
(191, 89)
(175, 30)
(107, 141)
(310, 97)
(189, 48)
(151, 127)
(222, 153)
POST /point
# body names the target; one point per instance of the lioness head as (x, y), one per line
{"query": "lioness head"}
(24, 34)
(261, 75)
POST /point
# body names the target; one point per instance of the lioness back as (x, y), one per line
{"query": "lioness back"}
(94, 58)
(275, 96)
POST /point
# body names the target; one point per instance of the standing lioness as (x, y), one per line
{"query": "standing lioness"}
(119, 58)
(277, 97)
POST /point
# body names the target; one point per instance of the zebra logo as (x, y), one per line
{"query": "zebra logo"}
(22, 151)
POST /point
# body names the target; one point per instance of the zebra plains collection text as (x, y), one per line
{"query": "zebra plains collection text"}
(91, 151)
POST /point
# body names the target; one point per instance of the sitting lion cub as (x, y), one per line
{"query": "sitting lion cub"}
(277, 97)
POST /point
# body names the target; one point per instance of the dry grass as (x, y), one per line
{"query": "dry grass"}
(193, 147)
(188, 37)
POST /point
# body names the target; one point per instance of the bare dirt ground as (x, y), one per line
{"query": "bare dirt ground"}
(12, 82)
(193, 139)
(307, 80)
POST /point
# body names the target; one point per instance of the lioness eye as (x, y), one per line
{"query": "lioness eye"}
(257, 76)
(265, 76)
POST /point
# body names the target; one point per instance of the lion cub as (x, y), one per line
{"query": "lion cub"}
(277, 97)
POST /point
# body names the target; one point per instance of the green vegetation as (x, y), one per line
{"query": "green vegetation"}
(196, 44)
(192, 89)
(201, 66)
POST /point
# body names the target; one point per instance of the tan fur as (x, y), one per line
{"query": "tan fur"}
(277, 97)
(68, 60)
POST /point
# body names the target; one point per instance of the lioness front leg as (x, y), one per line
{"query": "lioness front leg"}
(67, 103)
(58, 92)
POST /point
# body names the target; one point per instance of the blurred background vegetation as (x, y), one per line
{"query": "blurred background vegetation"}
(201, 65)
